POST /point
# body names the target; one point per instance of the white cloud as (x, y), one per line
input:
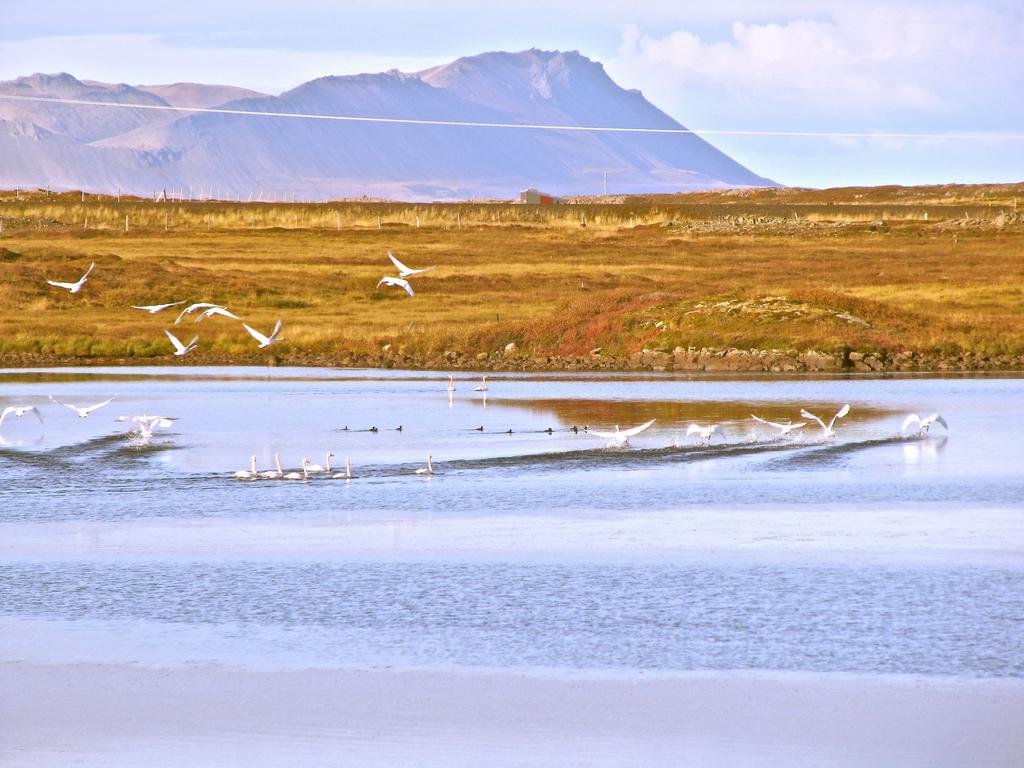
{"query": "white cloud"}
(859, 63)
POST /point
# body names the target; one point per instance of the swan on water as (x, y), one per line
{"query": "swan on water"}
(195, 308)
(325, 468)
(180, 350)
(404, 271)
(18, 411)
(827, 429)
(274, 474)
(248, 474)
(620, 438)
(347, 474)
(265, 341)
(222, 311)
(705, 433)
(923, 425)
(82, 412)
(429, 469)
(73, 287)
(483, 386)
(451, 383)
(154, 308)
(397, 282)
(304, 475)
(784, 429)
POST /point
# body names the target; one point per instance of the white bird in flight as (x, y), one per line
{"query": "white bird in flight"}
(397, 281)
(429, 469)
(145, 425)
(923, 425)
(827, 429)
(223, 311)
(620, 438)
(195, 308)
(180, 350)
(82, 412)
(154, 308)
(784, 429)
(74, 287)
(705, 433)
(18, 411)
(404, 271)
(265, 341)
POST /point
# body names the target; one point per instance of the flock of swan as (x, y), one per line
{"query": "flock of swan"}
(208, 310)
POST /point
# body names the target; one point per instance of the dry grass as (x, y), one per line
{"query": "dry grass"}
(687, 275)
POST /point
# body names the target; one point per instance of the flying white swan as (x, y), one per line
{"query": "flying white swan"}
(397, 281)
(620, 439)
(482, 387)
(304, 475)
(144, 426)
(705, 433)
(74, 287)
(274, 474)
(248, 474)
(404, 271)
(784, 429)
(265, 341)
(827, 429)
(923, 425)
(347, 474)
(325, 468)
(18, 411)
(82, 412)
(154, 308)
(429, 469)
(194, 308)
(223, 311)
(180, 350)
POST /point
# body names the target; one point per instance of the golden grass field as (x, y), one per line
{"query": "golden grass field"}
(934, 270)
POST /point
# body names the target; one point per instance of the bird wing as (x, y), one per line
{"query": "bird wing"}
(405, 284)
(842, 412)
(769, 423)
(96, 407)
(397, 263)
(911, 419)
(178, 346)
(58, 284)
(256, 334)
(192, 308)
(693, 429)
(33, 409)
(809, 415)
(87, 272)
(628, 433)
(277, 329)
(55, 401)
(5, 413)
(217, 311)
(938, 420)
(605, 435)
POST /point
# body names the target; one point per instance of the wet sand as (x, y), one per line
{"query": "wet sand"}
(123, 715)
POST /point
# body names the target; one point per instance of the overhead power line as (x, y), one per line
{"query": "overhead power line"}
(977, 136)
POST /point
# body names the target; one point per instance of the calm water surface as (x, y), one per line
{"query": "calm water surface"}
(867, 553)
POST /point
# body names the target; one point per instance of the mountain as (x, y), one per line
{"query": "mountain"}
(146, 149)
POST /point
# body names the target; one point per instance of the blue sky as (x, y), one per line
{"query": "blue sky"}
(905, 65)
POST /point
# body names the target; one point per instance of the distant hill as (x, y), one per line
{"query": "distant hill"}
(142, 150)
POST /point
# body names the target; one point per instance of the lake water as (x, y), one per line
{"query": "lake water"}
(865, 553)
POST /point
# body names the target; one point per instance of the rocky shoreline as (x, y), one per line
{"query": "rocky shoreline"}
(688, 360)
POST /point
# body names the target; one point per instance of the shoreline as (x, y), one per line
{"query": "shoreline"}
(690, 360)
(117, 715)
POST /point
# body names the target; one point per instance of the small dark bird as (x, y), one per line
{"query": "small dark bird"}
(575, 429)
(479, 429)
(549, 430)
(374, 429)
(509, 432)
(344, 429)
(398, 428)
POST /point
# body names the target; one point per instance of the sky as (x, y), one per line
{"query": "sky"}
(905, 66)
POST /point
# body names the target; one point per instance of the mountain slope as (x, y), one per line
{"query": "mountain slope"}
(313, 158)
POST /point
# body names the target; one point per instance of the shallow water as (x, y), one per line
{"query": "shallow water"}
(865, 553)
